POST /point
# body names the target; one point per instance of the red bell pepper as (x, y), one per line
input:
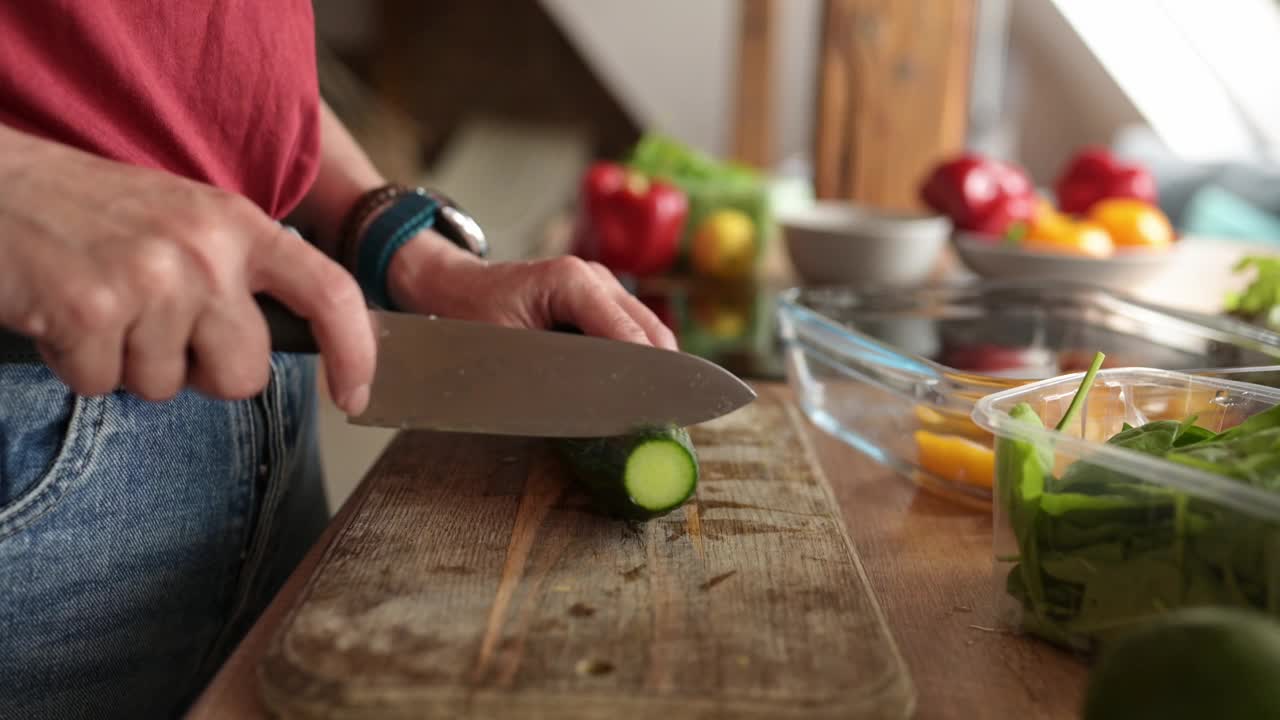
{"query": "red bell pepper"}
(629, 223)
(1094, 174)
(980, 194)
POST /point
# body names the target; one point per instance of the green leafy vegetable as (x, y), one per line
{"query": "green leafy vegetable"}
(1077, 401)
(1100, 550)
(1260, 301)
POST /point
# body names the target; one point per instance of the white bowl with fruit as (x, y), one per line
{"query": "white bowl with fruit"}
(1106, 227)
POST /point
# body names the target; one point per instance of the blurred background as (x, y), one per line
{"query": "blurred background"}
(764, 107)
(1187, 85)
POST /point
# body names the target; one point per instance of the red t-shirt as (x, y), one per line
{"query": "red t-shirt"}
(221, 91)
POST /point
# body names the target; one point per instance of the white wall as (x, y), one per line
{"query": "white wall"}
(672, 63)
(669, 61)
(1058, 94)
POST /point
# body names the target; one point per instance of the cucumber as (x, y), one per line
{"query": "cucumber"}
(639, 476)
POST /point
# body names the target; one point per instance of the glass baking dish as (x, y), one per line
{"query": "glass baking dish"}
(896, 373)
(1093, 537)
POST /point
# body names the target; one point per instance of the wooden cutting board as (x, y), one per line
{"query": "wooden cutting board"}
(474, 582)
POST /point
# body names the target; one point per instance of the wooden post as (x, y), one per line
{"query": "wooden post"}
(893, 89)
(753, 130)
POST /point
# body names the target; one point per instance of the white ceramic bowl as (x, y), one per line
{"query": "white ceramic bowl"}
(999, 261)
(842, 243)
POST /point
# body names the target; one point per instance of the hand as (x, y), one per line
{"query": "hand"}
(430, 275)
(129, 276)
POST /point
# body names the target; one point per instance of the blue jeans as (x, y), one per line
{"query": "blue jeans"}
(139, 541)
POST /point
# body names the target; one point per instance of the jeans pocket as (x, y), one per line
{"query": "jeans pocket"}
(46, 436)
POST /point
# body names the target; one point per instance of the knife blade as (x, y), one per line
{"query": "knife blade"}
(458, 376)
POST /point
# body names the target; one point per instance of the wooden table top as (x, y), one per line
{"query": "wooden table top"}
(929, 563)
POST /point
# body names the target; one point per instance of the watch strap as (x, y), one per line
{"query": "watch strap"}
(387, 232)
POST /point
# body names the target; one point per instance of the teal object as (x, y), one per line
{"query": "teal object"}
(1215, 212)
(407, 216)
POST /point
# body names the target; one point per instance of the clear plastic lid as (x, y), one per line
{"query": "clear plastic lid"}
(1135, 396)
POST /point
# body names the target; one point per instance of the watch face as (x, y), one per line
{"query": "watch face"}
(455, 224)
(463, 230)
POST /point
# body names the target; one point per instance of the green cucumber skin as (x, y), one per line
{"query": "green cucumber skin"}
(598, 464)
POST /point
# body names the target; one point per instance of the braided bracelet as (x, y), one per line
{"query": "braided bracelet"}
(364, 208)
(386, 218)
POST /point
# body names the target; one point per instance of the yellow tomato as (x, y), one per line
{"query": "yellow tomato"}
(1133, 223)
(1054, 232)
(724, 245)
(956, 459)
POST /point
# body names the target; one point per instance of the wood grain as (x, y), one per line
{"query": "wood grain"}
(753, 116)
(473, 581)
(893, 87)
(930, 563)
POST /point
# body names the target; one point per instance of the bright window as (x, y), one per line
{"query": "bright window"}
(1202, 73)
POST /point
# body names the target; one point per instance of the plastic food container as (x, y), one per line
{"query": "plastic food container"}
(896, 373)
(1117, 535)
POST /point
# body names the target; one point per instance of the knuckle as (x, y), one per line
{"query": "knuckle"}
(571, 267)
(93, 307)
(157, 267)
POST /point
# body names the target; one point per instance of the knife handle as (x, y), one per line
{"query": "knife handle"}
(289, 334)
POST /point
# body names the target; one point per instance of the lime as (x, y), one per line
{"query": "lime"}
(1201, 663)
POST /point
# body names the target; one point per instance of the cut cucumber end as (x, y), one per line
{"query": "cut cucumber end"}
(660, 474)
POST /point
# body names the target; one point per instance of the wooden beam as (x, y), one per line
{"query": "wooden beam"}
(753, 119)
(893, 95)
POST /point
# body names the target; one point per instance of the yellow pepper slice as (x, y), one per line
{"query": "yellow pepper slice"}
(956, 459)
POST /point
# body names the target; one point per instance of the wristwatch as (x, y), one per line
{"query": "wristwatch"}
(386, 218)
(456, 225)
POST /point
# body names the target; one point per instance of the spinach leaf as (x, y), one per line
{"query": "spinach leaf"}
(1022, 466)
(1101, 550)
(1157, 438)
(1253, 458)
(1154, 438)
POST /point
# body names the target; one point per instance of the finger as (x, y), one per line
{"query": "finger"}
(155, 350)
(230, 350)
(83, 341)
(318, 289)
(656, 330)
(155, 354)
(20, 302)
(579, 297)
(76, 321)
(658, 333)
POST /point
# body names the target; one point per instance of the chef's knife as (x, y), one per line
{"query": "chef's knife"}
(451, 375)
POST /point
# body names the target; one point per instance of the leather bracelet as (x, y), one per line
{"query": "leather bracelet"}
(361, 211)
(351, 253)
(387, 217)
